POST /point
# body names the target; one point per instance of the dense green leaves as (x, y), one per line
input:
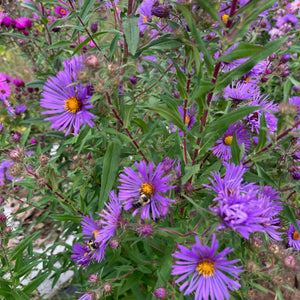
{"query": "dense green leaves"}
(132, 31)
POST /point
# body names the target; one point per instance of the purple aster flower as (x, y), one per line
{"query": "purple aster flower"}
(142, 190)
(7, 104)
(229, 184)
(110, 218)
(240, 91)
(145, 14)
(23, 23)
(93, 249)
(18, 82)
(222, 147)
(189, 119)
(2, 15)
(205, 272)
(20, 109)
(293, 237)
(254, 118)
(74, 65)
(80, 256)
(4, 89)
(70, 101)
(287, 19)
(90, 228)
(87, 296)
(7, 21)
(60, 11)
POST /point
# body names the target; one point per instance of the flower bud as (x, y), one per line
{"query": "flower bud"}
(145, 230)
(285, 58)
(264, 78)
(2, 217)
(296, 89)
(132, 79)
(176, 94)
(285, 73)
(114, 243)
(7, 230)
(160, 11)
(107, 288)
(94, 27)
(272, 57)
(16, 137)
(161, 293)
(93, 278)
(289, 261)
(111, 69)
(33, 141)
(41, 182)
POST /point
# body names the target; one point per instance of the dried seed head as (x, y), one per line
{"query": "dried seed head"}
(289, 261)
(15, 169)
(111, 69)
(41, 182)
(92, 61)
(43, 159)
(16, 154)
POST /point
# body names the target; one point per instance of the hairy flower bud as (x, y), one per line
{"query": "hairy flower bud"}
(41, 182)
(132, 79)
(285, 58)
(16, 137)
(111, 69)
(7, 230)
(107, 288)
(93, 278)
(145, 230)
(272, 57)
(2, 217)
(285, 73)
(161, 293)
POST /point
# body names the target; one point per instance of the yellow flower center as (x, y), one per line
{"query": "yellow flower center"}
(95, 233)
(72, 105)
(230, 191)
(2, 91)
(187, 120)
(296, 236)
(228, 140)
(247, 79)
(147, 188)
(145, 19)
(6, 103)
(62, 11)
(206, 267)
(225, 18)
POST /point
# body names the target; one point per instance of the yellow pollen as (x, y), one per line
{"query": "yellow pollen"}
(228, 140)
(62, 11)
(296, 236)
(281, 47)
(225, 18)
(95, 233)
(6, 103)
(85, 254)
(206, 267)
(187, 120)
(247, 79)
(145, 19)
(72, 105)
(147, 188)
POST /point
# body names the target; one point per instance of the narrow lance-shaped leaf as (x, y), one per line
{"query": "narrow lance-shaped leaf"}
(263, 130)
(132, 33)
(235, 150)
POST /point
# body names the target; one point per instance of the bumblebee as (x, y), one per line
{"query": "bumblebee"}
(92, 245)
(142, 201)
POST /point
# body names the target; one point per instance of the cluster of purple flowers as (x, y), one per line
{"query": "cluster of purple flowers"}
(245, 207)
(5, 92)
(97, 234)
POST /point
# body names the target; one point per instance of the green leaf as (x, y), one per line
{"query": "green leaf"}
(264, 176)
(189, 171)
(290, 214)
(235, 151)
(170, 115)
(110, 171)
(25, 135)
(33, 7)
(127, 114)
(22, 246)
(238, 72)
(192, 26)
(132, 33)
(74, 219)
(142, 124)
(263, 130)
(30, 287)
(35, 83)
(60, 44)
(86, 7)
(241, 51)
(228, 119)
